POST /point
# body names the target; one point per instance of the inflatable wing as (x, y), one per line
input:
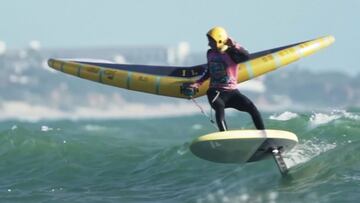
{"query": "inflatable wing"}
(168, 80)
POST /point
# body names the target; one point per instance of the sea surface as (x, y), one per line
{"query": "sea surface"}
(148, 160)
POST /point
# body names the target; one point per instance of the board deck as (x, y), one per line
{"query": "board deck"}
(241, 146)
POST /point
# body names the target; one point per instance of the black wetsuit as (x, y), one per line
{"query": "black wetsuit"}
(220, 100)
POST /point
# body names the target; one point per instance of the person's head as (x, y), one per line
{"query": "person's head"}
(217, 37)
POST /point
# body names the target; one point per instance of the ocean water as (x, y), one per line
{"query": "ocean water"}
(148, 160)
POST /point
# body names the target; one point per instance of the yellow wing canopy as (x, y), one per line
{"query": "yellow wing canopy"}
(168, 80)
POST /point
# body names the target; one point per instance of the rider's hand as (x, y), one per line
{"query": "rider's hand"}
(194, 85)
(230, 42)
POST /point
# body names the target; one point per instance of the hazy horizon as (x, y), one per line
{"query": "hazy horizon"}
(258, 25)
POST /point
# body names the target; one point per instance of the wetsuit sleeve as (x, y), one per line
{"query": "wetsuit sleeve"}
(205, 75)
(237, 53)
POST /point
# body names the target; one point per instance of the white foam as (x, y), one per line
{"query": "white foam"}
(244, 197)
(347, 115)
(352, 178)
(320, 119)
(306, 151)
(14, 127)
(90, 127)
(45, 128)
(241, 197)
(284, 116)
(183, 149)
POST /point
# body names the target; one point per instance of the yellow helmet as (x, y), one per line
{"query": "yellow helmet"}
(219, 35)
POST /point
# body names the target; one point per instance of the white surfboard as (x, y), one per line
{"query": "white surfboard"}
(241, 146)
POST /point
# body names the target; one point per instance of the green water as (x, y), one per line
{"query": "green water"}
(149, 161)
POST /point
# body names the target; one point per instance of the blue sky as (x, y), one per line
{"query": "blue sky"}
(257, 24)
